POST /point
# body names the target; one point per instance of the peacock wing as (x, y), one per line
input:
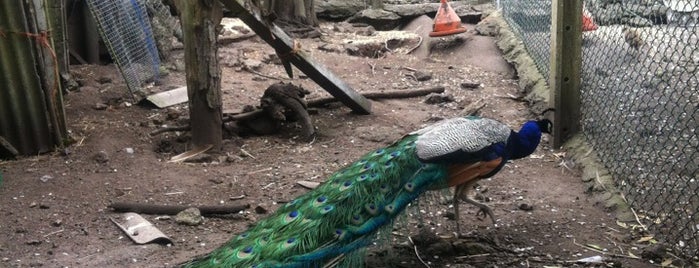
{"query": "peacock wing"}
(462, 140)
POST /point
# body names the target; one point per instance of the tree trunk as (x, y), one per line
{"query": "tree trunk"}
(199, 20)
(294, 11)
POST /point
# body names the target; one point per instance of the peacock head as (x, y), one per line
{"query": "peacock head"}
(545, 126)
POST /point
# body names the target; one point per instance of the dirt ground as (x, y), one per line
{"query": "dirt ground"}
(54, 206)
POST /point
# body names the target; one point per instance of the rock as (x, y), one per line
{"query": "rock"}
(338, 9)
(470, 17)
(252, 64)
(46, 178)
(34, 242)
(465, 247)
(440, 248)
(422, 76)
(655, 252)
(100, 106)
(487, 27)
(101, 157)
(190, 216)
(425, 237)
(216, 180)
(470, 85)
(380, 19)
(436, 98)
(57, 223)
(104, 80)
(129, 150)
(260, 210)
(366, 31)
(173, 114)
(526, 207)
(416, 10)
(382, 42)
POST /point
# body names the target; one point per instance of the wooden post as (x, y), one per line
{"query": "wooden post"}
(199, 20)
(566, 58)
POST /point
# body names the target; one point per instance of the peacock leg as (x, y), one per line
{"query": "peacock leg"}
(483, 209)
(455, 202)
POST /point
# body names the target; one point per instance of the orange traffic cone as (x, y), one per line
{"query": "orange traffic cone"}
(587, 23)
(446, 22)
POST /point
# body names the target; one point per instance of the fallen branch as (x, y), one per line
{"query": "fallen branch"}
(263, 75)
(174, 209)
(396, 94)
(170, 129)
(602, 252)
(419, 43)
(227, 40)
(417, 254)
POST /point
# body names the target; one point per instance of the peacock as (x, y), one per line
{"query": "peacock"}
(325, 227)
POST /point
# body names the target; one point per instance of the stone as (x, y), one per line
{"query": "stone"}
(338, 9)
(526, 207)
(100, 106)
(190, 216)
(422, 76)
(101, 157)
(436, 98)
(380, 19)
(260, 210)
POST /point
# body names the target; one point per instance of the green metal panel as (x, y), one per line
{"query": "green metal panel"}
(31, 113)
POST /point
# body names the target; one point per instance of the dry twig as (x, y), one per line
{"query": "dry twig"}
(603, 252)
(417, 254)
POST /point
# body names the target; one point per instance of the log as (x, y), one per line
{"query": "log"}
(174, 209)
(395, 94)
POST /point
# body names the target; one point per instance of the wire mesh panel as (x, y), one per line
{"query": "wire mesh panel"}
(640, 94)
(531, 22)
(125, 29)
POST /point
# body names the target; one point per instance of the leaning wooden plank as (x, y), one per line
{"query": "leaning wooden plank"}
(285, 48)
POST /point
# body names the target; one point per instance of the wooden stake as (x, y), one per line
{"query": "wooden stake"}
(566, 58)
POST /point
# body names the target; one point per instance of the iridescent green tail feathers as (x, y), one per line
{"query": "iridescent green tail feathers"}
(340, 216)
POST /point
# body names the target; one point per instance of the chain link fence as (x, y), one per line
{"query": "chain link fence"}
(125, 29)
(640, 102)
(530, 20)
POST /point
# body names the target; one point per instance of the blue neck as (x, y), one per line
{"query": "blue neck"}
(524, 142)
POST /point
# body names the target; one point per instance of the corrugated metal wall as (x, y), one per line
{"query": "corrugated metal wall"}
(31, 110)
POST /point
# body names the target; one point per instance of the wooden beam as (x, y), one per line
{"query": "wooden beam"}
(285, 48)
(566, 58)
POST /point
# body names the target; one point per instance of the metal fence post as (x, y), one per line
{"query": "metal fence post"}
(564, 79)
